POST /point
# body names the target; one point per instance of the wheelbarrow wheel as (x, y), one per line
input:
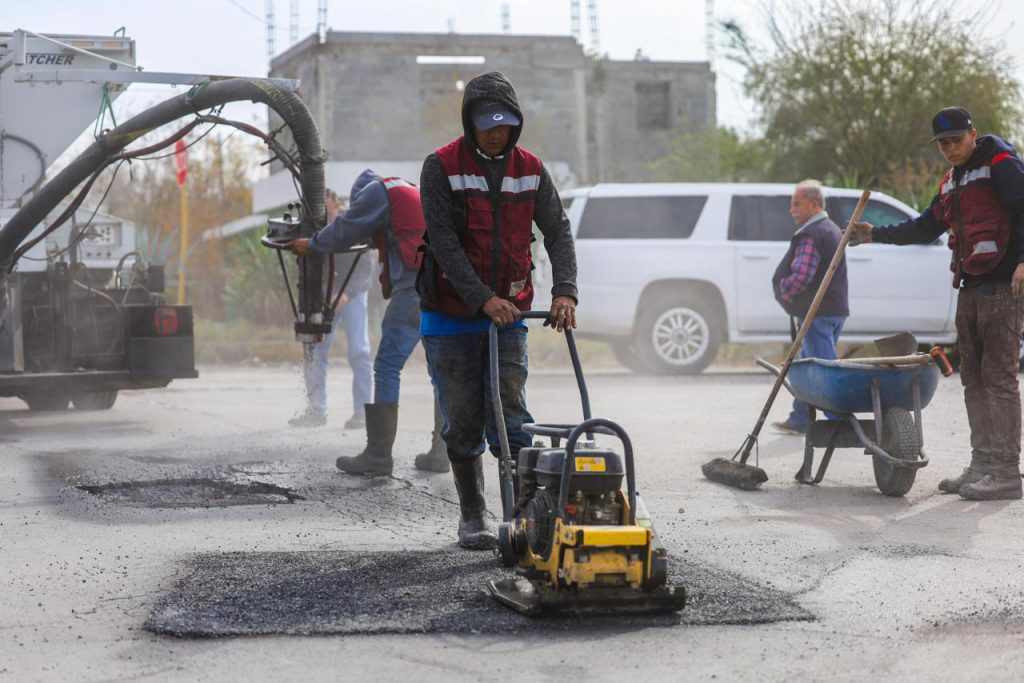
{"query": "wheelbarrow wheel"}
(899, 439)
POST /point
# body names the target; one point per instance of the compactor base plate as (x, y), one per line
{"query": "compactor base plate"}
(532, 600)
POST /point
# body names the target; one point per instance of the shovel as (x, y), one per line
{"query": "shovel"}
(902, 344)
(735, 471)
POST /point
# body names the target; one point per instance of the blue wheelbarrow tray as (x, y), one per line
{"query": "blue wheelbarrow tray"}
(846, 387)
(893, 394)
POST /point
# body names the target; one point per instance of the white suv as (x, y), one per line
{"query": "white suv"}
(668, 272)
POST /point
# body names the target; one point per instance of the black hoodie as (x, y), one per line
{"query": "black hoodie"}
(439, 205)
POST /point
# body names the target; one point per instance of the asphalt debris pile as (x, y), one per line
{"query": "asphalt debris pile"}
(324, 593)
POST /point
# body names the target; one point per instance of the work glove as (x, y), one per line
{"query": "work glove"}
(861, 233)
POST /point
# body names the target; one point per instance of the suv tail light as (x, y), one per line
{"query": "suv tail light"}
(165, 321)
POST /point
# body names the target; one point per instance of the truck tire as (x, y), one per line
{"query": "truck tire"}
(48, 401)
(623, 351)
(678, 335)
(899, 439)
(94, 400)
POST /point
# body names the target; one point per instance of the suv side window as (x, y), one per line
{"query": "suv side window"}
(761, 218)
(640, 217)
(876, 213)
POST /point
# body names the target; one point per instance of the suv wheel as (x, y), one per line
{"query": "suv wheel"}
(677, 335)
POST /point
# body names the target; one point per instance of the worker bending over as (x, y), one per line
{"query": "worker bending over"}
(385, 212)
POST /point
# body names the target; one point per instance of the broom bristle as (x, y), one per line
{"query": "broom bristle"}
(733, 473)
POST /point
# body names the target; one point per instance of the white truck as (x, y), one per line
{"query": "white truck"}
(81, 315)
(668, 272)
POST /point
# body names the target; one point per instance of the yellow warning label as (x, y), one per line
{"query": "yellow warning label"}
(590, 464)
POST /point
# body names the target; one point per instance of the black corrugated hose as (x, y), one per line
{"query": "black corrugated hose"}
(288, 105)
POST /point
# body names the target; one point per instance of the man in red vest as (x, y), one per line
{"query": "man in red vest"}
(981, 203)
(385, 212)
(481, 195)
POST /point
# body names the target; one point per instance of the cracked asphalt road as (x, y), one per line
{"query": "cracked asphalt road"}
(926, 587)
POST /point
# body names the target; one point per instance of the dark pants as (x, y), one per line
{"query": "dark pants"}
(459, 368)
(990, 323)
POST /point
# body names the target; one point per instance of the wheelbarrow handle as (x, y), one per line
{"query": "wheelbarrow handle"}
(941, 360)
(775, 370)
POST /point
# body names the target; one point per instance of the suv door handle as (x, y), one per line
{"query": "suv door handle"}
(859, 258)
(756, 257)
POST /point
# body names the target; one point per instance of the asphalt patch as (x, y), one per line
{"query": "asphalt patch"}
(332, 593)
(191, 493)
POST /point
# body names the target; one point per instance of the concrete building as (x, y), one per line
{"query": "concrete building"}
(386, 100)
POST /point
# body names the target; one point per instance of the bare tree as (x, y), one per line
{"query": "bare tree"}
(847, 88)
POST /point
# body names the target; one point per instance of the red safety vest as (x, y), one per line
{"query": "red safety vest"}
(495, 225)
(407, 227)
(979, 224)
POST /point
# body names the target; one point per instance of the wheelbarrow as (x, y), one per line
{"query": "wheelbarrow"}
(894, 390)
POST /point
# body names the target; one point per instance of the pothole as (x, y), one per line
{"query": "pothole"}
(192, 493)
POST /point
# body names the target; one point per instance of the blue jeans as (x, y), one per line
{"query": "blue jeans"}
(820, 342)
(400, 332)
(314, 368)
(460, 370)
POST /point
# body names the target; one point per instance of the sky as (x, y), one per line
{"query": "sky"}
(230, 37)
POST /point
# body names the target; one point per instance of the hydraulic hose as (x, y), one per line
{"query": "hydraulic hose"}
(286, 103)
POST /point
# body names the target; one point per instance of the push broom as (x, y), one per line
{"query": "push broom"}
(735, 471)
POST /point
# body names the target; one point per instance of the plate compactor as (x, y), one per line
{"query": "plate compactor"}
(579, 543)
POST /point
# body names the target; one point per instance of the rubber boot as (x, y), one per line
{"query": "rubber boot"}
(381, 427)
(435, 459)
(971, 474)
(1001, 482)
(475, 531)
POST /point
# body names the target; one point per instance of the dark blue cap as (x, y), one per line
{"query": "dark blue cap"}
(492, 114)
(951, 122)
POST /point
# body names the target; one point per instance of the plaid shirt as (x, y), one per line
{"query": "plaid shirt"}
(802, 270)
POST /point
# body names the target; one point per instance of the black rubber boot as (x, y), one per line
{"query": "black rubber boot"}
(475, 531)
(1001, 482)
(971, 474)
(436, 459)
(381, 426)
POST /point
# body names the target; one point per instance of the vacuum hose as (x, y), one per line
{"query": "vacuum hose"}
(286, 103)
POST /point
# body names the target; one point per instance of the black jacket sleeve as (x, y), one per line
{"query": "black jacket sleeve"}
(1008, 181)
(921, 230)
(438, 207)
(550, 217)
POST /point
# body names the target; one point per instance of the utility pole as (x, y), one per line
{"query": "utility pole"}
(321, 20)
(269, 5)
(595, 39)
(575, 9)
(709, 31)
(293, 22)
(506, 18)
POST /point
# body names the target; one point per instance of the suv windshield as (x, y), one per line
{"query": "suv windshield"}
(640, 217)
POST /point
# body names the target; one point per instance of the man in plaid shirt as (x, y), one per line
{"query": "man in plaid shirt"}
(798, 277)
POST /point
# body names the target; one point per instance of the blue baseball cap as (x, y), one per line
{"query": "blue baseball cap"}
(951, 122)
(493, 114)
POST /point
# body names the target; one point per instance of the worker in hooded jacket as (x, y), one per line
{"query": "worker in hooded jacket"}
(481, 196)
